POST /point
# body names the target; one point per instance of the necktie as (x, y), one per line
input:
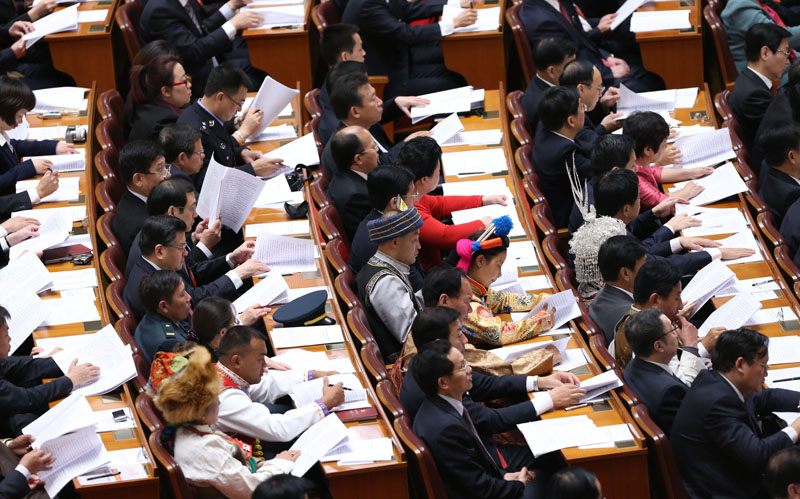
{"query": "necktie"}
(193, 16)
(468, 421)
(189, 273)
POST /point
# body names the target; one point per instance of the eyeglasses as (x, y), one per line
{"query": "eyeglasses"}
(163, 172)
(186, 80)
(181, 247)
(462, 368)
(784, 52)
(239, 103)
(199, 153)
(414, 195)
(674, 329)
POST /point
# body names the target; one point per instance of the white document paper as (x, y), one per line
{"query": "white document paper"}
(771, 315)
(355, 397)
(743, 239)
(285, 255)
(776, 378)
(279, 132)
(68, 189)
(714, 223)
(276, 190)
(706, 282)
(723, 183)
(706, 149)
(625, 11)
(62, 311)
(630, 101)
(512, 352)
(487, 187)
(353, 451)
(550, 435)
(71, 414)
(488, 19)
(287, 15)
(446, 129)
(289, 337)
(92, 16)
(74, 279)
(272, 96)
(64, 162)
(316, 441)
(104, 420)
(75, 213)
(570, 359)
(266, 292)
(293, 227)
(757, 286)
(733, 314)
(456, 100)
(492, 211)
(228, 194)
(75, 453)
(565, 305)
(475, 138)
(522, 254)
(658, 20)
(302, 151)
(54, 229)
(476, 162)
(50, 132)
(57, 98)
(62, 20)
(26, 273)
(600, 384)
(27, 313)
(784, 350)
(535, 282)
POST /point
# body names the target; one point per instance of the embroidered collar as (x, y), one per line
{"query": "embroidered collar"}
(477, 288)
(232, 380)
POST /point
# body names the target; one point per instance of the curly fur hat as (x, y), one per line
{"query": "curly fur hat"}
(184, 396)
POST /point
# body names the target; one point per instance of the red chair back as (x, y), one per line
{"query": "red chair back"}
(514, 104)
(126, 327)
(358, 324)
(519, 128)
(711, 13)
(312, 126)
(109, 134)
(167, 466)
(113, 262)
(721, 103)
(373, 360)
(336, 253)
(331, 223)
(128, 17)
(345, 285)
(665, 478)
(150, 416)
(312, 103)
(325, 14)
(110, 103)
(106, 161)
(389, 399)
(521, 41)
(105, 231)
(108, 193)
(522, 158)
(422, 473)
(319, 191)
(114, 298)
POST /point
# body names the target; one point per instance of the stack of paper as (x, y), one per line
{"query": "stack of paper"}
(280, 228)
(316, 441)
(535, 282)
(295, 293)
(62, 20)
(625, 11)
(271, 98)
(457, 100)
(488, 19)
(26, 273)
(572, 358)
(600, 384)
(446, 129)
(732, 315)
(288, 15)
(742, 240)
(68, 189)
(355, 395)
(55, 228)
(721, 221)
(288, 337)
(723, 183)
(276, 190)
(280, 132)
(492, 211)
(275, 2)
(784, 350)
(476, 162)
(62, 311)
(475, 138)
(630, 102)
(788, 378)
(270, 290)
(228, 194)
(305, 360)
(285, 255)
(550, 435)
(521, 254)
(58, 98)
(565, 305)
(659, 20)
(27, 312)
(92, 16)
(705, 149)
(760, 288)
(685, 131)
(64, 162)
(354, 451)
(771, 315)
(75, 213)
(705, 284)
(302, 151)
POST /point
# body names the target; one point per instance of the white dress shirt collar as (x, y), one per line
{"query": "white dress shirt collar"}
(763, 78)
(738, 393)
(143, 198)
(457, 405)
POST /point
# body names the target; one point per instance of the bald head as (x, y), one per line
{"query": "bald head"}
(353, 148)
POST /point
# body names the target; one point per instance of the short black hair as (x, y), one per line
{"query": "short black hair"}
(656, 276)
(614, 190)
(210, 316)
(386, 182)
(160, 285)
(643, 329)
(152, 50)
(334, 40)
(237, 340)
(734, 343)
(431, 324)
(344, 147)
(159, 229)
(421, 155)
(617, 253)
(783, 470)
(611, 150)
(341, 69)
(444, 280)
(556, 106)
(573, 483)
(4, 316)
(760, 35)
(577, 72)
(225, 78)
(776, 141)
(15, 94)
(177, 138)
(431, 364)
(284, 486)
(345, 95)
(552, 51)
(647, 129)
(136, 157)
(168, 192)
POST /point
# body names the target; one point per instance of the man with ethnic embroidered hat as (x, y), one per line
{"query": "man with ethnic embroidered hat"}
(383, 285)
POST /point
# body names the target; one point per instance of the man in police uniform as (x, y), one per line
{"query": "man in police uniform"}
(168, 305)
(212, 114)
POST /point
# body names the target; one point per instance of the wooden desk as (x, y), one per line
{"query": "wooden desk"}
(125, 439)
(676, 55)
(87, 54)
(480, 57)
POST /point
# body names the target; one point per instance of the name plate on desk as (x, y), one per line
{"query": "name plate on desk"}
(98, 28)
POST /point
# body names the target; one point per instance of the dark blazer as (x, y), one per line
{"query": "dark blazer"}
(349, 194)
(790, 230)
(661, 392)
(379, 134)
(749, 101)
(779, 190)
(551, 153)
(778, 112)
(327, 120)
(168, 20)
(221, 286)
(14, 202)
(203, 268)
(465, 469)
(608, 307)
(216, 139)
(156, 333)
(718, 444)
(388, 37)
(148, 120)
(485, 388)
(23, 396)
(530, 101)
(11, 170)
(130, 216)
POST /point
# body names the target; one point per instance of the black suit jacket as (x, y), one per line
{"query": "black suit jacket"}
(719, 447)
(378, 133)
(349, 194)
(388, 37)
(11, 170)
(14, 202)
(608, 307)
(790, 230)
(148, 120)
(661, 392)
(778, 112)
(216, 139)
(779, 190)
(466, 471)
(204, 269)
(130, 216)
(22, 390)
(551, 154)
(484, 389)
(530, 102)
(168, 20)
(749, 101)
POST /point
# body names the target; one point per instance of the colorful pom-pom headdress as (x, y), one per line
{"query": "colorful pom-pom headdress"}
(495, 236)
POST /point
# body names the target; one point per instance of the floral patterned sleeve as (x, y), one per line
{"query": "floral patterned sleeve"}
(501, 302)
(483, 327)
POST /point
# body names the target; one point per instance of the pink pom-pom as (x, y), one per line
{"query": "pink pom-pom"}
(464, 250)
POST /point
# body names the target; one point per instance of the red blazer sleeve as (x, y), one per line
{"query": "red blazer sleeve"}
(434, 208)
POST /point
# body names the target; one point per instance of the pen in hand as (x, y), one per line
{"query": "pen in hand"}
(343, 388)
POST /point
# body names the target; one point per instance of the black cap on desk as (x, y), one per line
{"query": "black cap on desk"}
(308, 310)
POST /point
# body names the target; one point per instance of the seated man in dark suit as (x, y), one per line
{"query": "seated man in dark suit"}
(202, 41)
(550, 55)
(586, 79)
(619, 259)
(784, 108)
(444, 324)
(780, 178)
(767, 51)
(141, 167)
(162, 243)
(654, 340)
(212, 114)
(410, 55)
(466, 459)
(783, 474)
(355, 155)
(340, 44)
(23, 396)
(718, 442)
(790, 230)
(385, 186)
(355, 103)
(168, 305)
(544, 18)
(555, 151)
(183, 150)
